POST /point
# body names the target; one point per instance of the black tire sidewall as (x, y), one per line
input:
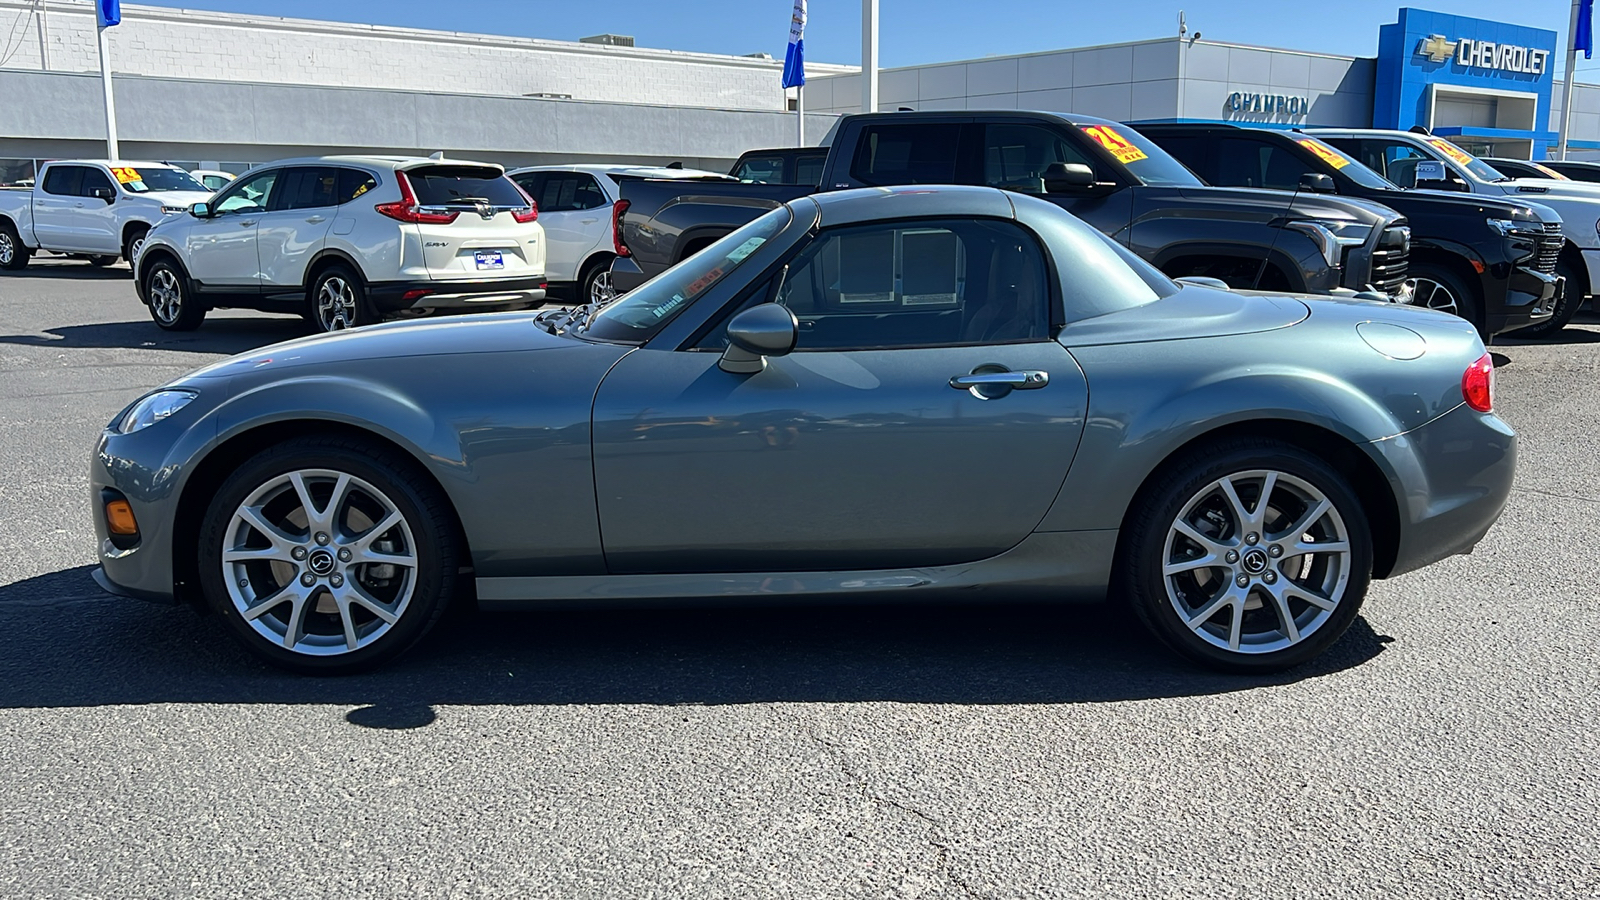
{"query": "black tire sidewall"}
(426, 513)
(1467, 304)
(190, 313)
(590, 273)
(1571, 299)
(19, 254)
(364, 311)
(1139, 568)
(128, 242)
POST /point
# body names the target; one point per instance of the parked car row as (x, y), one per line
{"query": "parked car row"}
(1253, 208)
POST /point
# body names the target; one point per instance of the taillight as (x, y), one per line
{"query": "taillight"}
(407, 210)
(1477, 384)
(531, 214)
(617, 243)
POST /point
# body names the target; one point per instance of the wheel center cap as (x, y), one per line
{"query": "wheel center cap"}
(1254, 561)
(321, 562)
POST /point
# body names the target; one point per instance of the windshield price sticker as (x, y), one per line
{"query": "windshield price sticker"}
(1325, 153)
(1107, 137)
(745, 249)
(1451, 150)
(126, 175)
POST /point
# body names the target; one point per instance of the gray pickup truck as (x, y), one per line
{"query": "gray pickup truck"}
(1103, 172)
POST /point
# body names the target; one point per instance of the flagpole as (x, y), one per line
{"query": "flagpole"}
(111, 109)
(1566, 91)
(800, 116)
(869, 56)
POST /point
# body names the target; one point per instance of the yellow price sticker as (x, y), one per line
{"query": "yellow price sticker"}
(1451, 150)
(125, 175)
(1325, 153)
(1107, 137)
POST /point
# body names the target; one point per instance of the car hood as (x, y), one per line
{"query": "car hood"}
(482, 333)
(1454, 203)
(1303, 205)
(1533, 188)
(176, 198)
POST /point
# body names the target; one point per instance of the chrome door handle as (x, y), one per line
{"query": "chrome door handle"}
(1026, 380)
(587, 221)
(316, 219)
(247, 224)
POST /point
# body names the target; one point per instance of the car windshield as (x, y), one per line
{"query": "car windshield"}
(1475, 167)
(640, 313)
(147, 179)
(1147, 163)
(1343, 164)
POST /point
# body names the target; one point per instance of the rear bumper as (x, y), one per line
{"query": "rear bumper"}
(1453, 477)
(510, 293)
(626, 274)
(1530, 297)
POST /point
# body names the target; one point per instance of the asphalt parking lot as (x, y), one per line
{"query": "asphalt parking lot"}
(1445, 747)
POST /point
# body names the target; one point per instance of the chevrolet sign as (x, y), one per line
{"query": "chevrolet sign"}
(1484, 55)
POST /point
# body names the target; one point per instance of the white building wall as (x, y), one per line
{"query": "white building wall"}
(162, 42)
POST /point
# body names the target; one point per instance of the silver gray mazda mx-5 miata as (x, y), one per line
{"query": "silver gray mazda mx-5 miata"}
(896, 394)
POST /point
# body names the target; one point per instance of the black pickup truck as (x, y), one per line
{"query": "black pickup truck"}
(1105, 173)
(1490, 260)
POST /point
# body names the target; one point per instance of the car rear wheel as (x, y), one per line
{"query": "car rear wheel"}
(596, 284)
(1248, 557)
(329, 555)
(338, 301)
(133, 243)
(1566, 309)
(1436, 287)
(171, 306)
(13, 255)
(100, 262)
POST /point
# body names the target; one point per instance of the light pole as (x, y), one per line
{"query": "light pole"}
(108, 13)
(869, 55)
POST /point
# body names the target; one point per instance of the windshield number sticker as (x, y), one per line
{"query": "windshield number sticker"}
(125, 175)
(1451, 150)
(1107, 137)
(1325, 153)
(745, 249)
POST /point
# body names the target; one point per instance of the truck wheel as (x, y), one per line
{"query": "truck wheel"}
(1565, 310)
(1437, 287)
(168, 296)
(13, 255)
(133, 243)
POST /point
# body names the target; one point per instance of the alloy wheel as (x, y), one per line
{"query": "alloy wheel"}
(135, 247)
(319, 562)
(336, 304)
(600, 290)
(8, 248)
(1433, 295)
(1257, 561)
(166, 296)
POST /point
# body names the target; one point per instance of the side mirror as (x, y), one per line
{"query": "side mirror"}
(109, 195)
(201, 210)
(1067, 177)
(1317, 183)
(757, 333)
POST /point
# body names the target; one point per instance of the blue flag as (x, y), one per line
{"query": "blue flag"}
(794, 62)
(108, 12)
(1583, 35)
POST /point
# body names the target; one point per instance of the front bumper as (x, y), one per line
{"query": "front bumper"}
(511, 293)
(1452, 479)
(1531, 296)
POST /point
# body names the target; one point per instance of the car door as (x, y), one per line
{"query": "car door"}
(570, 209)
(1014, 157)
(221, 250)
(864, 448)
(55, 205)
(295, 226)
(96, 220)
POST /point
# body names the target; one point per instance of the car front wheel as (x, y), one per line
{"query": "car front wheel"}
(1251, 557)
(171, 306)
(328, 555)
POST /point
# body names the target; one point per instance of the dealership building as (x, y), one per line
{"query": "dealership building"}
(228, 90)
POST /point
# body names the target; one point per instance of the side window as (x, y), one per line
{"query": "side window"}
(761, 170)
(808, 170)
(94, 178)
(1015, 157)
(250, 194)
(1242, 162)
(531, 183)
(1398, 161)
(557, 193)
(586, 193)
(907, 154)
(305, 187)
(354, 183)
(63, 181)
(1193, 152)
(933, 283)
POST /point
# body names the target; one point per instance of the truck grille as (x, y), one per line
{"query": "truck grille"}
(1391, 259)
(1549, 248)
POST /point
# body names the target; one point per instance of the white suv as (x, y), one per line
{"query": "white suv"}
(576, 204)
(348, 240)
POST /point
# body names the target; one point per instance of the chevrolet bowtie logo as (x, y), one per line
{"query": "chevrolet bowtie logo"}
(1436, 48)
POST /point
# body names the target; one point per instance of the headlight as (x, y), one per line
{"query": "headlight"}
(153, 409)
(1332, 236)
(173, 210)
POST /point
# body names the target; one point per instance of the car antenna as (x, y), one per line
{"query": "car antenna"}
(1289, 211)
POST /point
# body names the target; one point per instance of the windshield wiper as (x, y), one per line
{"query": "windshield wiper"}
(568, 319)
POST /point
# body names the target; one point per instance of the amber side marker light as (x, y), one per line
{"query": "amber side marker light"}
(119, 518)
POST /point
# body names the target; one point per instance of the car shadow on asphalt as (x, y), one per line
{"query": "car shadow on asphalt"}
(72, 270)
(225, 336)
(64, 643)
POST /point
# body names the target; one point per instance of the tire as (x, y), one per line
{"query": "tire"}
(133, 243)
(372, 594)
(100, 262)
(172, 305)
(13, 254)
(337, 301)
(1185, 587)
(1438, 287)
(595, 285)
(1565, 310)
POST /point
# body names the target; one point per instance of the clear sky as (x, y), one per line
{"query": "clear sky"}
(911, 31)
